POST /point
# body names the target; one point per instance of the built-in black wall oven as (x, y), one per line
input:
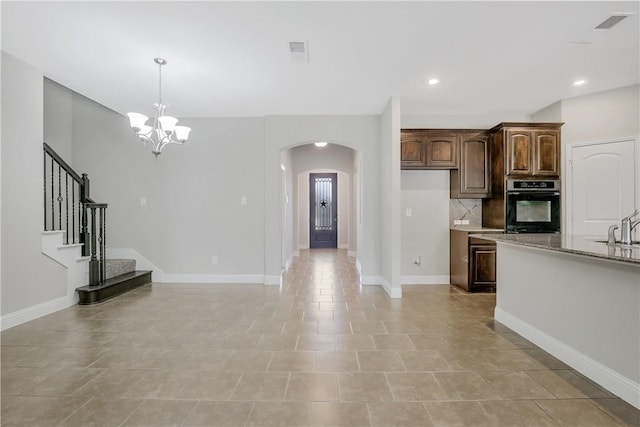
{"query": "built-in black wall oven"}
(532, 206)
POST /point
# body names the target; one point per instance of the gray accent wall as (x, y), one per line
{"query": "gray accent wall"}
(29, 278)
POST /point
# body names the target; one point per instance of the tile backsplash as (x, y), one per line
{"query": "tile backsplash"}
(470, 209)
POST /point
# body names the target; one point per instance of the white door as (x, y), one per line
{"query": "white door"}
(602, 185)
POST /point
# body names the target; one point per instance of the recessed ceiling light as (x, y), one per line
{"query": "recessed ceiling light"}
(580, 82)
(433, 81)
(320, 144)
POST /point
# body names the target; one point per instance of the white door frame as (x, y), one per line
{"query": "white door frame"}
(568, 175)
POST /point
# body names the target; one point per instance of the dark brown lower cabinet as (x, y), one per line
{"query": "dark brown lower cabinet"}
(472, 262)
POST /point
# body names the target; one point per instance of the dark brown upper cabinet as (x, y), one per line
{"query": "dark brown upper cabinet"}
(532, 150)
(471, 179)
(428, 149)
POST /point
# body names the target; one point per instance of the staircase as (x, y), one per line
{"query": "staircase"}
(75, 236)
(121, 276)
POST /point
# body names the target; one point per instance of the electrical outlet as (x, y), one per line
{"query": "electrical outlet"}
(417, 260)
(243, 200)
(143, 201)
(214, 259)
(409, 212)
(457, 221)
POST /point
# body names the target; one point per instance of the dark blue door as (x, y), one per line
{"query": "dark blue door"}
(323, 210)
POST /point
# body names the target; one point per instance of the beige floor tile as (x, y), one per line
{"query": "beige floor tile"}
(415, 386)
(261, 386)
(517, 414)
(393, 342)
(339, 414)
(354, 387)
(516, 385)
(280, 414)
(210, 414)
(576, 413)
(623, 412)
(425, 360)
(368, 327)
(429, 342)
(380, 361)
(30, 411)
(466, 386)
(16, 381)
(567, 384)
(316, 342)
(312, 387)
(231, 355)
(100, 412)
(335, 361)
(389, 414)
(209, 385)
(111, 383)
(292, 361)
(458, 414)
(354, 342)
(257, 361)
(158, 413)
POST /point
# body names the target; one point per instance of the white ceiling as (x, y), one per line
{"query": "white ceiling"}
(232, 58)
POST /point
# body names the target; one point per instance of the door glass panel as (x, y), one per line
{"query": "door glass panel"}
(323, 204)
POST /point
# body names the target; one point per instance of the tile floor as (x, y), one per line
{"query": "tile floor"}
(319, 351)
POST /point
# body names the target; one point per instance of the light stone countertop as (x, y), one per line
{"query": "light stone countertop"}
(571, 243)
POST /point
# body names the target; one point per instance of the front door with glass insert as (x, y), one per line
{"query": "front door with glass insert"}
(323, 210)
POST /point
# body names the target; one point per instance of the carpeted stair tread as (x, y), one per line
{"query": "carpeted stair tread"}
(118, 267)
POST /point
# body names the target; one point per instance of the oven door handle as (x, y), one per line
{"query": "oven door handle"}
(517, 193)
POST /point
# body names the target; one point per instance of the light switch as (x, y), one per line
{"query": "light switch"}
(243, 200)
(143, 201)
(409, 212)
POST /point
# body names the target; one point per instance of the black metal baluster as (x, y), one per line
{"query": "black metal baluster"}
(73, 213)
(66, 205)
(59, 197)
(44, 175)
(53, 209)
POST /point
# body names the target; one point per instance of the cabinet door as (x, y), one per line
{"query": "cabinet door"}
(474, 166)
(519, 152)
(546, 153)
(482, 267)
(441, 151)
(411, 151)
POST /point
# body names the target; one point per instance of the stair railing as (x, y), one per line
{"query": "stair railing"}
(68, 207)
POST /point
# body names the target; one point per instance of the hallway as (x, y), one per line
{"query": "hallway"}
(318, 351)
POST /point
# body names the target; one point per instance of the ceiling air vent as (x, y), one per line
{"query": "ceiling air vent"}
(611, 21)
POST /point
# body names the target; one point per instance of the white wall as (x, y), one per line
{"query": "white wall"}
(601, 115)
(425, 233)
(29, 278)
(390, 198)
(193, 193)
(58, 132)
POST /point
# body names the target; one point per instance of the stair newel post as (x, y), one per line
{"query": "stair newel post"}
(94, 265)
(84, 199)
(103, 244)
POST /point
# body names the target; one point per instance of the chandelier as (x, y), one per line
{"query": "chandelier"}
(163, 130)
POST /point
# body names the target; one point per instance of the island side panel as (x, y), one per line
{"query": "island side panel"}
(583, 310)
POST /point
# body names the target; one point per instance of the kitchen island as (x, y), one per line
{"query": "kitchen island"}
(577, 299)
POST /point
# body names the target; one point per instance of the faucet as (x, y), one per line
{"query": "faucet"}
(627, 227)
(611, 235)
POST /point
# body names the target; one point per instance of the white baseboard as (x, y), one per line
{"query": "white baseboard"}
(352, 254)
(31, 313)
(425, 280)
(380, 281)
(623, 387)
(343, 246)
(272, 280)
